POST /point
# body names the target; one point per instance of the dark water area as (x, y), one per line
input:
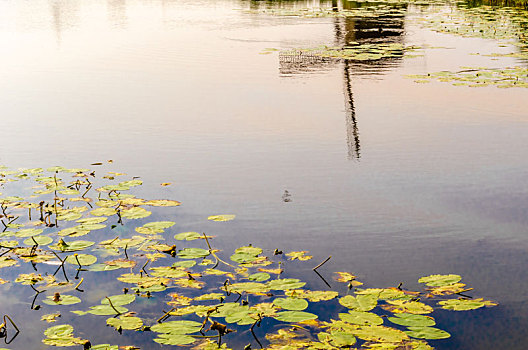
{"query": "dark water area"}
(395, 180)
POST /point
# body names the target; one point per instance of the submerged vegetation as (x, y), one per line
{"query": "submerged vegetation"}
(67, 220)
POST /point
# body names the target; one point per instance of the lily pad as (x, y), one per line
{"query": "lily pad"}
(193, 253)
(221, 217)
(440, 280)
(125, 322)
(360, 302)
(295, 316)
(82, 259)
(412, 320)
(187, 236)
(427, 333)
(61, 300)
(291, 303)
(361, 318)
(135, 213)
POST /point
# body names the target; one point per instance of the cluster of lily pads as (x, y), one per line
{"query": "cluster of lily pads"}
(354, 51)
(210, 297)
(479, 77)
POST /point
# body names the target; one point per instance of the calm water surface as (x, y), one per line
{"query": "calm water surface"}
(395, 180)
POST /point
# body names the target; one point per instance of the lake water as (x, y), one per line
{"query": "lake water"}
(395, 180)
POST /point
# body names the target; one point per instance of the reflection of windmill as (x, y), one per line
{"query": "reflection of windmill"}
(64, 14)
(350, 30)
(383, 29)
(352, 130)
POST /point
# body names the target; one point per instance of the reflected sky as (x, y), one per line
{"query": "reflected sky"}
(394, 179)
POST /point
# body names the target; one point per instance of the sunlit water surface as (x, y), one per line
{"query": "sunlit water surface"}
(418, 179)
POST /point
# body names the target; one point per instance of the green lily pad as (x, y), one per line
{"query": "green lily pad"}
(464, 304)
(71, 246)
(174, 339)
(405, 306)
(41, 240)
(63, 300)
(295, 316)
(28, 232)
(440, 280)
(71, 216)
(427, 333)
(242, 258)
(119, 300)
(62, 330)
(177, 327)
(103, 211)
(285, 283)
(259, 277)
(361, 318)
(82, 259)
(193, 253)
(291, 303)
(106, 310)
(125, 322)
(187, 236)
(90, 221)
(360, 303)
(249, 287)
(380, 334)
(412, 320)
(135, 213)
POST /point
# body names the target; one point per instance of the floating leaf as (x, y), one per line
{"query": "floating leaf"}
(71, 246)
(427, 333)
(119, 300)
(361, 318)
(291, 303)
(345, 277)
(440, 280)
(285, 283)
(359, 303)
(412, 320)
(125, 322)
(103, 212)
(40, 240)
(81, 259)
(28, 232)
(177, 327)
(299, 255)
(50, 317)
(464, 304)
(135, 213)
(221, 217)
(193, 253)
(62, 300)
(311, 295)
(106, 310)
(295, 316)
(174, 339)
(380, 334)
(405, 306)
(162, 203)
(187, 236)
(384, 293)
(259, 277)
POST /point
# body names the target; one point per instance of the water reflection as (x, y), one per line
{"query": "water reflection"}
(65, 15)
(347, 30)
(117, 12)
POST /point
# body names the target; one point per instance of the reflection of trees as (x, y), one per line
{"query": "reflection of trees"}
(65, 15)
(117, 13)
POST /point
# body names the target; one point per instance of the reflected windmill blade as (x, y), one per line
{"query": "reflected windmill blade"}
(353, 144)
